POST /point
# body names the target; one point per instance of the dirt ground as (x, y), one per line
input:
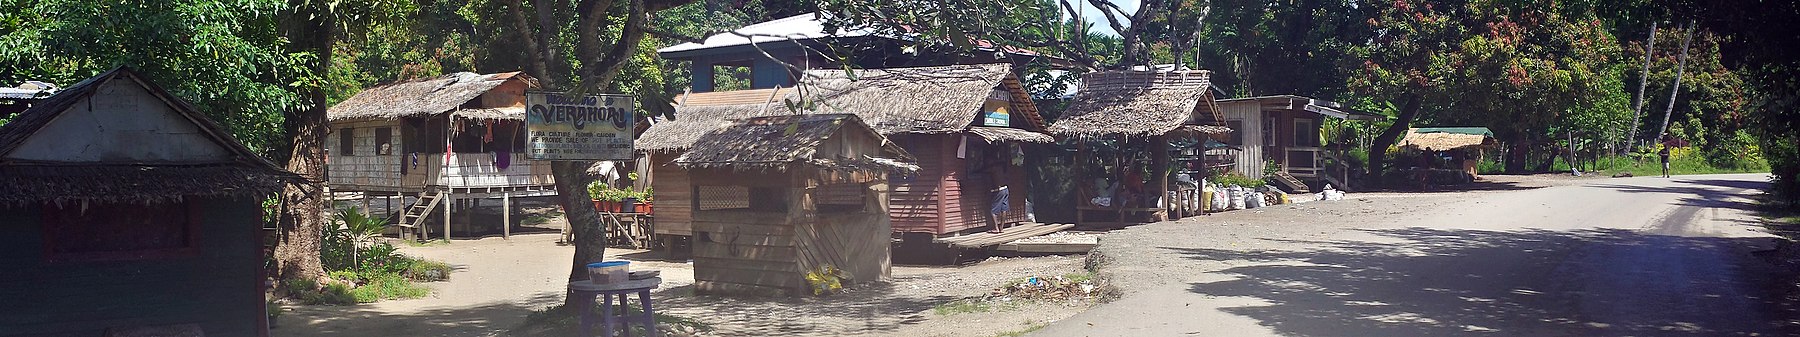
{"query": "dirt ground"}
(498, 282)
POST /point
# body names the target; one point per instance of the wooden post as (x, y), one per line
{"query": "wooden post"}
(1080, 178)
(1159, 162)
(365, 200)
(506, 215)
(449, 202)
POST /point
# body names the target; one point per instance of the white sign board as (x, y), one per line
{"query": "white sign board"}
(579, 127)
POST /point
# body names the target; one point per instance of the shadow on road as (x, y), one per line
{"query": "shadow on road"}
(1701, 196)
(1599, 282)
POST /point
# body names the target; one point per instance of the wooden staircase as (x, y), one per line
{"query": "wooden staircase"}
(412, 220)
(1292, 184)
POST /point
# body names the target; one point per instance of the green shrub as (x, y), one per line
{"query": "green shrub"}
(387, 286)
(428, 271)
(1229, 179)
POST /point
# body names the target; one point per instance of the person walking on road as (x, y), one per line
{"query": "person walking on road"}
(1664, 153)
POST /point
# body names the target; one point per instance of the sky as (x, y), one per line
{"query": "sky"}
(1099, 20)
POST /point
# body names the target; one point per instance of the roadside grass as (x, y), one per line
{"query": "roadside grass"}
(539, 219)
(1640, 166)
(388, 287)
(963, 306)
(560, 321)
(427, 243)
(1030, 327)
(1651, 167)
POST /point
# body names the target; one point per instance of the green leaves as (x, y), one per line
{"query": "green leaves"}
(225, 57)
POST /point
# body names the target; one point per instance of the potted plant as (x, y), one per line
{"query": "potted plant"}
(606, 199)
(646, 199)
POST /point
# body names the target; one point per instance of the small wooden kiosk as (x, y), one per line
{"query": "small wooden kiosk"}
(124, 210)
(437, 139)
(784, 204)
(1134, 114)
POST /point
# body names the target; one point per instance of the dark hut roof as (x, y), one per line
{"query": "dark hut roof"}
(895, 100)
(912, 100)
(36, 180)
(775, 142)
(427, 96)
(1138, 103)
(1132, 112)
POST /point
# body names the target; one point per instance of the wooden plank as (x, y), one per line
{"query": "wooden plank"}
(744, 251)
(1047, 248)
(711, 287)
(726, 228)
(711, 262)
(1011, 235)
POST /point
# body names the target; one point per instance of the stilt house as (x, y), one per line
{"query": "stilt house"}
(965, 123)
(460, 135)
(787, 204)
(125, 212)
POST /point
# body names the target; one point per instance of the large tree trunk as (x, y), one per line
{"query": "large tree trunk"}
(590, 240)
(304, 204)
(1378, 150)
(597, 72)
(1680, 65)
(1637, 104)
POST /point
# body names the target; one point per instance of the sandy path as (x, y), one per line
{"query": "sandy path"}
(1592, 257)
(498, 282)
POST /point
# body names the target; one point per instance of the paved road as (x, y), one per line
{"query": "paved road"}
(1596, 257)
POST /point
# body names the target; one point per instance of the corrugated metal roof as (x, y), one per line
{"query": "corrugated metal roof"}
(798, 27)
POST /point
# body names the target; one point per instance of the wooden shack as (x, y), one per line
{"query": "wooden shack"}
(1134, 115)
(965, 123)
(1283, 130)
(782, 198)
(447, 142)
(123, 209)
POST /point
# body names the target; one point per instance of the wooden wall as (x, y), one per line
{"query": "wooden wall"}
(363, 165)
(220, 289)
(1249, 112)
(944, 197)
(915, 200)
(366, 170)
(674, 195)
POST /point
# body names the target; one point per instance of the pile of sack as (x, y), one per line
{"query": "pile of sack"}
(1234, 197)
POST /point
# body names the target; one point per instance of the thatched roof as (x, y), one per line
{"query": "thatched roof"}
(897, 100)
(1441, 139)
(995, 135)
(701, 112)
(776, 142)
(23, 181)
(912, 100)
(424, 97)
(1131, 112)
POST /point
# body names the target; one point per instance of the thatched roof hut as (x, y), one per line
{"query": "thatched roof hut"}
(1138, 104)
(147, 152)
(1444, 139)
(776, 142)
(923, 100)
(429, 96)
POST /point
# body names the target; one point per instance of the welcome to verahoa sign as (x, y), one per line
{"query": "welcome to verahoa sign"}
(579, 127)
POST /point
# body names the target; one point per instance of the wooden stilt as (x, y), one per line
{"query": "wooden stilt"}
(447, 206)
(506, 215)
